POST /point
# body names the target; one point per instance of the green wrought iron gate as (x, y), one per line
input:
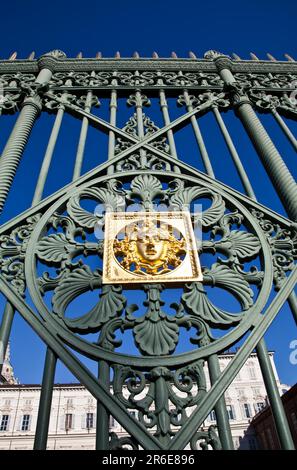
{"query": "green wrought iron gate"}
(50, 257)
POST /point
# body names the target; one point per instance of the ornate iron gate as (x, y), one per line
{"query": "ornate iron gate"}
(49, 255)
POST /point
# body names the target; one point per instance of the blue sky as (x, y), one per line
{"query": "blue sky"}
(162, 26)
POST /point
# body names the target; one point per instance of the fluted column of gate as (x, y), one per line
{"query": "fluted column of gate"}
(275, 166)
(18, 139)
(286, 188)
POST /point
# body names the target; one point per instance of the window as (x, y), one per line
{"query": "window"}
(111, 422)
(7, 402)
(252, 372)
(241, 392)
(231, 412)
(259, 406)
(70, 402)
(68, 421)
(28, 402)
(4, 423)
(212, 416)
(25, 423)
(90, 420)
(247, 410)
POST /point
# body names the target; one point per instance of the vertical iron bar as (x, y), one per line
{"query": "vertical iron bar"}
(82, 139)
(220, 406)
(140, 127)
(284, 128)
(112, 119)
(166, 118)
(45, 401)
(278, 413)
(102, 425)
(292, 300)
(48, 156)
(233, 152)
(200, 142)
(5, 329)
(113, 105)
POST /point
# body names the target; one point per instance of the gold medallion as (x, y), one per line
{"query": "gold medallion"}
(149, 247)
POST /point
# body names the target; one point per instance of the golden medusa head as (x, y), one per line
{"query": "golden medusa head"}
(149, 247)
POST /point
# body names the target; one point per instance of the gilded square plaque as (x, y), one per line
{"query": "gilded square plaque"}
(141, 247)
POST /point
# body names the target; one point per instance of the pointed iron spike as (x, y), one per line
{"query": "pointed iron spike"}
(136, 55)
(253, 56)
(117, 55)
(270, 57)
(79, 55)
(31, 56)
(235, 56)
(13, 56)
(173, 55)
(192, 55)
(155, 55)
(289, 58)
(98, 55)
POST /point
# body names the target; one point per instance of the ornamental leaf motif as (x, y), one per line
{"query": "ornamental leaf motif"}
(155, 332)
(156, 337)
(85, 218)
(215, 211)
(184, 196)
(146, 187)
(77, 282)
(197, 303)
(222, 276)
(54, 248)
(110, 305)
(239, 243)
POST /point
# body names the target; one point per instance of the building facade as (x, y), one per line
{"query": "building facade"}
(263, 422)
(73, 415)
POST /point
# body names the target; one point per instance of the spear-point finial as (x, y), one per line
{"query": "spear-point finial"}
(192, 55)
(135, 55)
(117, 55)
(235, 56)
(155, 55)
(270, 57)
(31, 56)
(79, 55)
(98, 55)
(173, 55)
(13, 56)
(289, 58)
(253, 56)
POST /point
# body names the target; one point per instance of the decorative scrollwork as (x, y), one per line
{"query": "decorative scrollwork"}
(283, 243)
(206, 439)
(12, 253)
(150, 395)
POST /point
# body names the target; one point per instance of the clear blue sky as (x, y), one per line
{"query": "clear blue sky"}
(162, 26)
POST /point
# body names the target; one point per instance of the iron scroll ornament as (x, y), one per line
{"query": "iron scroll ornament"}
(54, 243)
